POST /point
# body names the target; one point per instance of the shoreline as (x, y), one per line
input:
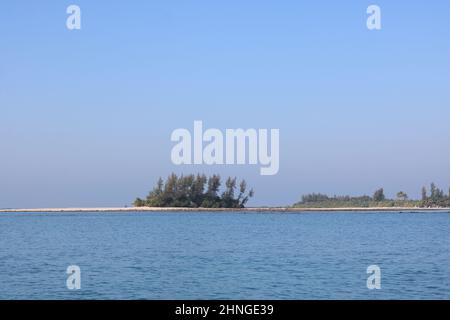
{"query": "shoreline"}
(250, 209)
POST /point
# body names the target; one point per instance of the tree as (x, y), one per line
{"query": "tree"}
(198, 188)
(183, 192)
(436, 194)
(402, 196)
(139, 202)
(424, 194)
(213, 186)
(433, 189)
(437, 197)
(189, 191)
(228, 200)
(379, 195)
(154, 198)
(243, 197)
(315, 197)
(170, 190)
(211, 198)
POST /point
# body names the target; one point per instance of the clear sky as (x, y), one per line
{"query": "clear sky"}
(86, 115)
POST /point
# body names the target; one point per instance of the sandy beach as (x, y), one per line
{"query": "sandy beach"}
(251, 209)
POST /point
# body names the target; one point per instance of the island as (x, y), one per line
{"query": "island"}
(199, 193)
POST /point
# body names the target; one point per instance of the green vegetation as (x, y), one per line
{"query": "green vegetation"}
(436, 199)
(196, 191)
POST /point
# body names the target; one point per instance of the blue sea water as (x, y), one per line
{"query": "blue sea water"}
(225, 255)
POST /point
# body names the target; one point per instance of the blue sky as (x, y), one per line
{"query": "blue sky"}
(86, 115)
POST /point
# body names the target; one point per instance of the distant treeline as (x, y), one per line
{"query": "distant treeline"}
(196, 191)
(434, 199)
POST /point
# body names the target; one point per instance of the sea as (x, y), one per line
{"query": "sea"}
(225, 255)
